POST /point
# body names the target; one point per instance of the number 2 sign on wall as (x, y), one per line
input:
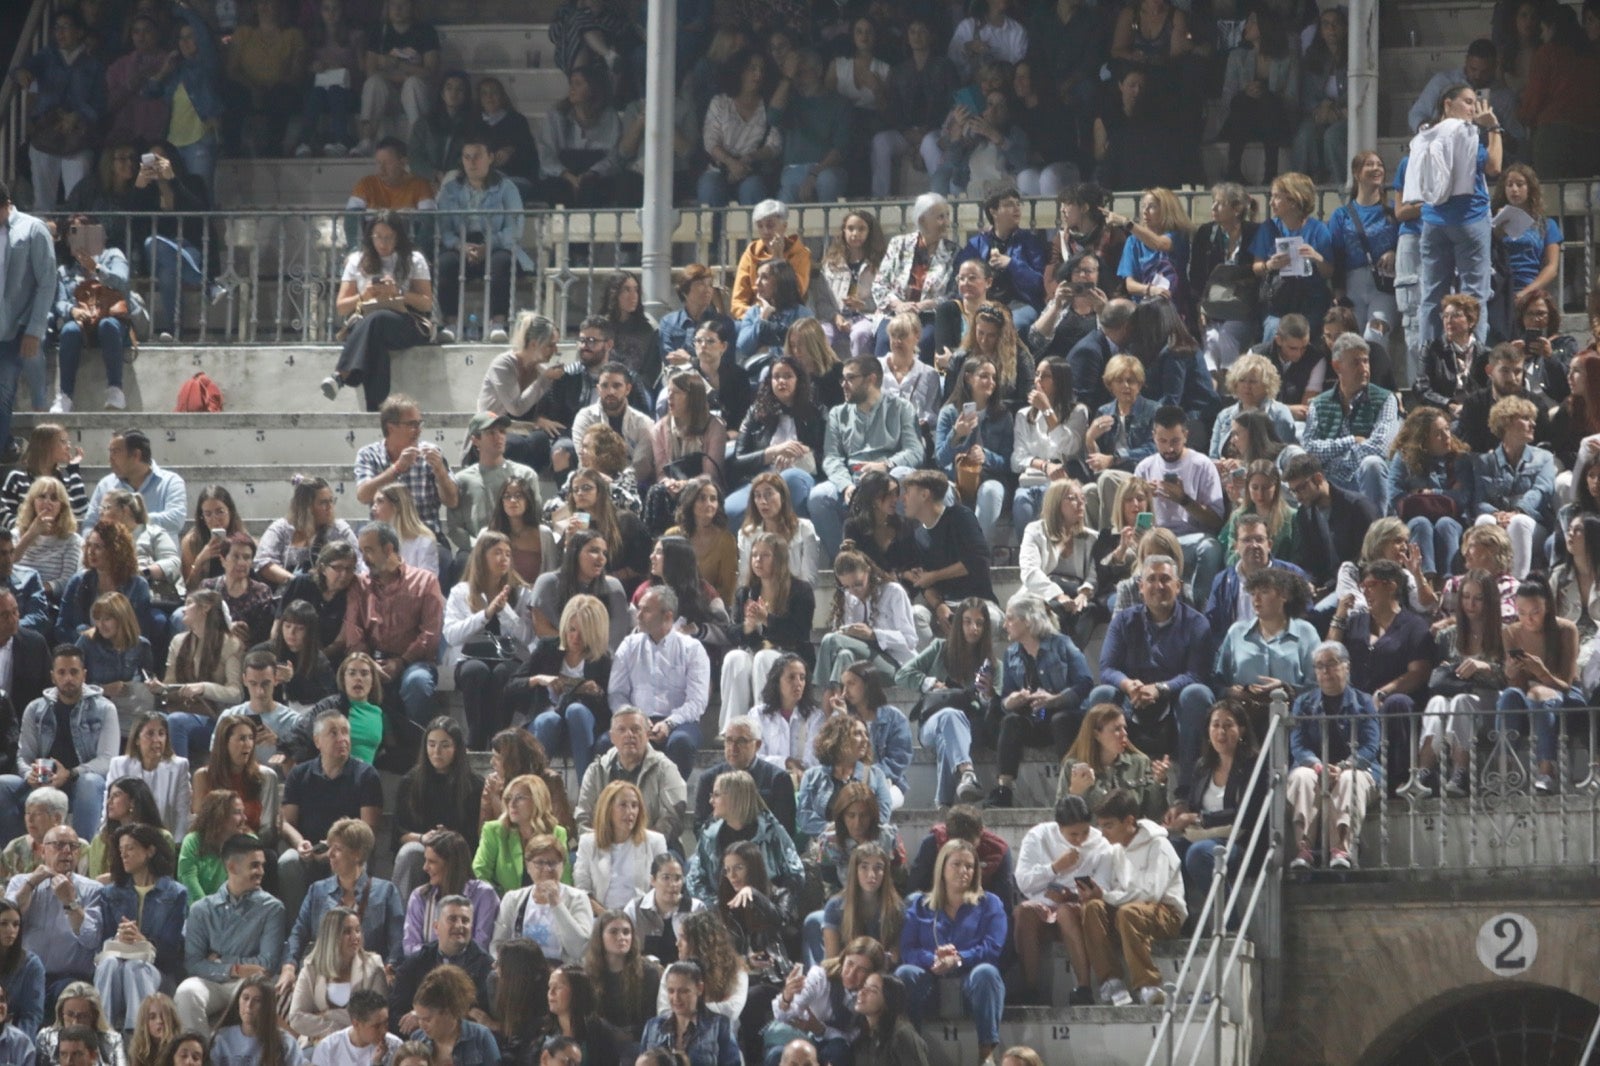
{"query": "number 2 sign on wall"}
(1507, 944)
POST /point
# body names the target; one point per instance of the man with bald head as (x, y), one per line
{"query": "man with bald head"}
(799, 1052)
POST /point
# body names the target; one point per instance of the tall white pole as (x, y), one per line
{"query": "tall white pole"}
(1362, 118)
(656, 215)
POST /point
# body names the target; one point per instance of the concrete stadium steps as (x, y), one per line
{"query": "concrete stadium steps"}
(1071, 1036)
(482, 46)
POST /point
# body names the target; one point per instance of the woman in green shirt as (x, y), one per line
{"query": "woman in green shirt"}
(200, 868)
(1102, 760)
(528, 813)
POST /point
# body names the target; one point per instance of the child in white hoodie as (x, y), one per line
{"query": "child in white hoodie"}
(1054, 857)
(1142, 904)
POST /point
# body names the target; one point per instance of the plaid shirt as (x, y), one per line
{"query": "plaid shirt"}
(374, 460)
(1331, 429)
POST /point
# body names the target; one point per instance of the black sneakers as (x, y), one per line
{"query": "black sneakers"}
(1000, 796)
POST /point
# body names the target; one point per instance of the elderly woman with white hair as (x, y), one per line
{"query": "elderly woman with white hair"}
(518, 379)
(1046, 679)
(1253, 382)
(900, 287)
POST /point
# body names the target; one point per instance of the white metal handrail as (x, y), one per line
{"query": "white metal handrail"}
(13, 101)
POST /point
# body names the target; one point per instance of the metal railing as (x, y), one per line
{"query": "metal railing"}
(13, 101)
(282, 266)
(1261, 919)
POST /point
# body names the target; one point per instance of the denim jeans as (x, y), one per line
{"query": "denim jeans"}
(1437, 542)
(983, 992)
(990, 502)
(417, 685)
(189, 732)
(1025, 504)
(570, 731)
(168, 259)
(831, 183)
(948, 733)
(86, 798)
(200, 159)
(1449, 252)
(811, 946)
(112, 335)
(1202, 561)
(1199, 867)
(800, 484)
(1023, 316)
(11, 363)
(1543, 716)
(1408, 297)
(713, 190)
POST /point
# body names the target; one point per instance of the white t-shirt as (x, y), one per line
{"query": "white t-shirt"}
(352, 270)
(1211, 801)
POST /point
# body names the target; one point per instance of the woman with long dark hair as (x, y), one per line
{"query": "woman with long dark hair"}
(887, 1037)
(583, 572)
(110, 564)
(435, 147)
(202, 547)
(448, 865)
(1216, 799)
(516, 515)
(249, 1030)
(1541, 676)
(129, 801)
(625, 980)
(233, 767)
(1321, 144)
(740, 143)
(142, 894)
(1262, 88)
(302, 677)
(520, 979)
(782, 432)
(676, 563)
(1048, 437)
(875, 529)
(638, 340)
(772, 614)
(1175, 369)
(1470, 672)
(573, 1011)
(292, 544)
(779, 303)
(486, 633)
(688, 1025)
(959, 681)
(513, 753)
(21, 973)
(388, 286)
(326, 589)
(688, 441)
(441, 790)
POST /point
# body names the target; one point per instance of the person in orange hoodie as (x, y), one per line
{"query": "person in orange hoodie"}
(771, 220)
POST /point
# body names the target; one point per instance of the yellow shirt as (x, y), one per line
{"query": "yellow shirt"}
(185, 127)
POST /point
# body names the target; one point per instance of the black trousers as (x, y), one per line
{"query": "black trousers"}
(1013, 732)
(483, 687)
(447, 283)
(367, 350)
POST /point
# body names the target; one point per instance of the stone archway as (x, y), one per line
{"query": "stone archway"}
(1513, 1025)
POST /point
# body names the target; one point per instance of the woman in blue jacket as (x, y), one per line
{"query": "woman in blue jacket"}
(975, 425)
(1046, 681)
(191, 80)
(1432, 487)
(143, 911)
(778, 304)
(957, 929)
(67, 100)
(688, 1026)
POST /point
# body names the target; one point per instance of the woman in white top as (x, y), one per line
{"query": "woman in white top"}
(790, 717)
(555, 916)
(614, 861)
(388, 284)
(490, 601)
(772, 511)
(393, 504)
(291, 544)
(1057, 557)
(1047, 434)
(47, 535)
(150, 759)
(871, 620)
(742, 144)
(337, 966)
(861, 77)
(657, 913)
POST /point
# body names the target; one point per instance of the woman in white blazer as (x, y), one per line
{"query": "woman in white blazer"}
(1048, 433)
(336, 966)
(1057, 559)
(491, 601)
(555, 916)
(150, 759)
(614, 861)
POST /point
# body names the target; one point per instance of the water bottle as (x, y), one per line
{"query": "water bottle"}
(474, 329)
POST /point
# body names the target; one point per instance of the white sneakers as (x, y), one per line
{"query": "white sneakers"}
(969, 790)
(498, 335)
(63, 404)
(330, 387)
(115, 401)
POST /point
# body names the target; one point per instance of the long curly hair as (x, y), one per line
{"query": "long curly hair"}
(772, 687)
(766, 409)
(1004, 355)
(1411, 442)
(118, 558)
(711, 946)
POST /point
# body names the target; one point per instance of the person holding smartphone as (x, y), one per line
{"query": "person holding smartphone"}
(1055, 860)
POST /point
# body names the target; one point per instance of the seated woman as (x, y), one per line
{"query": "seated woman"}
(807, 343)
(1046, 680)
(772, 615)
(202, 676)
(78, 1004)
(216, 818)
(359, 698)
(250, 1027)
(1469, 675)
(418, 546)
(758, 915)
(572, 1012)
(486, 633)
(147, 908)
(783, 433)
(1217, 800)
(502, 841)
(153, 1030)
(248, 601)
(957, 928)
(109, 565)
(386, 300)
(444, 1032)
(117, 657)
(440, 791)
(1546, 352)
(701, 610)
(871, 620)
(1515, 484)
(864, 698)
(1057, 559)
(448, 865)
(1573, 583)
(128, 801)
(973, 280)
(1048, 434)
(512, 753)
(844, 753)
(906, 375)
(203, 546)
(337, 967)
(626, 982)
(510, 138)
(1387, 538)
(917, 272)
(516, 516)
(583, 572)
(1448, 359)
(50, 453)
(738, 815)
(1103, 760)
(1431, 487)
(614, 861)
(1484, 548)
(292, 544)
(1155, 260)
(564, 683)
(302, 677)
(874, 526)
(150, 760)
(956, 677)
(266, 70)
(1272, 651)
(326, 588)
(577, 141)
(47, 538)
(789, 716)
(1178, 373)
(855, 825)
(555, 916)
(233, 767)
(849, 265)
(990, 336)
(973, 440)
(349, 884)
(690, 1027)
(1262, 89)
(1072, 308)
(703, 523)
(1253, 382)
(1122, 433)
(658, 914)
(779, 303)
(591, 491)
(773, 512)
(1118, 542)
(1541, 673)
(688, 441)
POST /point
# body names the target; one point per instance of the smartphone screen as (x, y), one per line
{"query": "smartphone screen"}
(1144, 520)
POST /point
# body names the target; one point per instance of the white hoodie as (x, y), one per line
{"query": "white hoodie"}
(1146, 870)
(1043, 845)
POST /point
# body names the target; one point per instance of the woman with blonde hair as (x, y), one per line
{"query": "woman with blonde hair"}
(50, 453)
(487, 631)
(1126, 425)
(565, 683)
(291, 544)
(1157, 541)
(1118, 541)
(613, 864)
(1253, 382)
(337, 966)
(47, 535)
(204, 664)
(116, 656)
(1515, 483)
(1057, 558)
(1156, 258)
(808, 343)
(418, 546)
(79, 1000)
(528, 814)
(1263, 495)
(1293, 215)
(1388, 538)
(155, 1026)
(772, 614)
(738, 814)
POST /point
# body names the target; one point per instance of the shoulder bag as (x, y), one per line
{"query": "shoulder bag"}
(1384, 283)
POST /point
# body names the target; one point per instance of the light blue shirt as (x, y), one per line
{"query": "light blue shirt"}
(1528, 485)
(237, 929)
(231, 1047)
(47, 930)
(670, 680)
(1246, 657)
(166, 497)
(28, 274)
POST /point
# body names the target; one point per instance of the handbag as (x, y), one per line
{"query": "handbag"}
(1444, 682)
(492, 648)
(1430, 505)
(1231, 294)
(969, 475)
(420, 319)
(59, 132)
(1384, 283)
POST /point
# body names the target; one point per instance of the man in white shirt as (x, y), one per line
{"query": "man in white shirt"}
(1188, 497)
(667, 675)
(614, 409)
(278, 723)
(1053, 857)
(369, 1029)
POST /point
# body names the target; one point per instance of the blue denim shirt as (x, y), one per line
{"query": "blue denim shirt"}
(25, 994)
(1528, 486)
(1060, 666)
(84, 588)
(756, 332)
(817, 789)
(474, 1047)
(242, 929)
(1451, 475)
(891, 744)
(1141, 423)
(1278, 412)
(382, 919)
(710, 1038)
(997, 433)
(1353, 739)
(495, 211)
(104, 664)
(166, 906)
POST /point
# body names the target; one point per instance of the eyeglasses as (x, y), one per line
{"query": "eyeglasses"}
(738, 742)
(590, 342)
(64, 845)
(545, 864)
(410, 423)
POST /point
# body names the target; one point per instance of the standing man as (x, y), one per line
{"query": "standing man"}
(134, 469)
(235, 933)
(395, 614)
(402, 456)
(667, 675)
(27, 294)
(1349, 427)
(1188, 497)
(478, 486)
